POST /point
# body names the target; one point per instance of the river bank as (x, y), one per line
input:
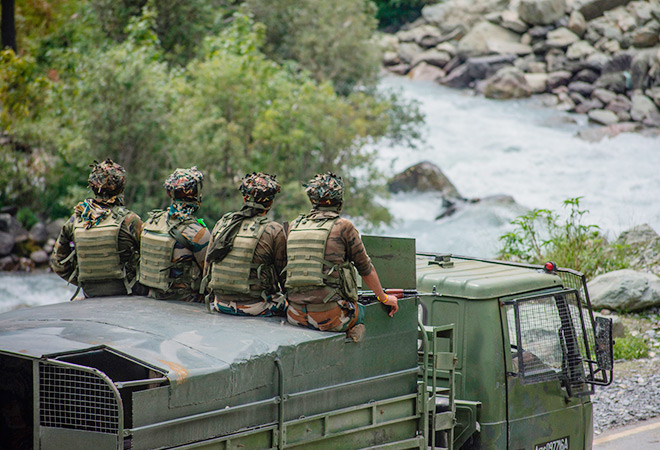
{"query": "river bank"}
(597, 58)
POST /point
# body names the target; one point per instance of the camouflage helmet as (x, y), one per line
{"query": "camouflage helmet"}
(107, 179)
(259, 187)
(185, 184)
(325, 189)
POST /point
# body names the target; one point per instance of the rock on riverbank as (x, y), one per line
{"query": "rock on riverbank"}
(594, 57)
(23, 250)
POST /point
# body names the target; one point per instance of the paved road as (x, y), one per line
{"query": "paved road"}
(640, 436)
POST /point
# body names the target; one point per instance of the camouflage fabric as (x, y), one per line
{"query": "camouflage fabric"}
(128, 243)
(259, 187)
(107, 181)
(274, 306)
(340, 315)
(185, 184)
(343, 244)
(325, 189)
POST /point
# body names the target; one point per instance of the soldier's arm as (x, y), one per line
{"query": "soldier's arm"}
(62, 250)
(200, 243)
(279, 250)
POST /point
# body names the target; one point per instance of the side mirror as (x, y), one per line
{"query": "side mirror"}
(604, 350)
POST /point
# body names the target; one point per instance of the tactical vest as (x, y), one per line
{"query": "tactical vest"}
(156, 250)
(97, 248)
(306, 259)
(233, 275)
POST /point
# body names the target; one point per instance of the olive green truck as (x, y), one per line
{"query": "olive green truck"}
(482, 354)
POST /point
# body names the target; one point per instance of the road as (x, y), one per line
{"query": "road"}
(639, 436)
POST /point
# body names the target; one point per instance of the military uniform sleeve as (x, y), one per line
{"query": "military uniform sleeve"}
(355, 251)
(279, 251)
(129, 240)
(62, 250)
(199, 236)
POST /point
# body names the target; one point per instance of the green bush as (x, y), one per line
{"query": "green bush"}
(540, 236)
(393, 13)
(630, 347)
(26, 217)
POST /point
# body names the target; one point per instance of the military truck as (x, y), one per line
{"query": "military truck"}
(482, 354)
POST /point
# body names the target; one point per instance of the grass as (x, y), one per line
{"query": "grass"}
(630, 347)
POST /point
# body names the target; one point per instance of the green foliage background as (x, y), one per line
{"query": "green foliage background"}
(230, 86)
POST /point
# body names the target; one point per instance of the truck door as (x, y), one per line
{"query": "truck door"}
(548, 403)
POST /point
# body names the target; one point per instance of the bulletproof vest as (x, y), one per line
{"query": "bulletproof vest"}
(156, 250)
(306, 255)
(97, 249)
(233, 274)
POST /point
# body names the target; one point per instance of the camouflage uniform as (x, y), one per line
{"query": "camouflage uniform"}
(324, 308)
(174, 243)
(248, 253)
(107, 181)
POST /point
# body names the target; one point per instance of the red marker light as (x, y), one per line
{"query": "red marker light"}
(550, 266)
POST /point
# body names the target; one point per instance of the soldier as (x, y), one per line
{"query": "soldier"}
(98, 247)
(247, 253)
(323, 251)
(173, 243)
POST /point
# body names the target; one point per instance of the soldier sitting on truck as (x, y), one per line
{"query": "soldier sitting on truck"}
(247, 254)
(323, 251)
(173, 242)
(98, 247)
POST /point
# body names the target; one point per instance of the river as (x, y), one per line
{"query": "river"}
(485, 147)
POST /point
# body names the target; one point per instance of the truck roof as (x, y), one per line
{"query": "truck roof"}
(479, 279)
(181, 338)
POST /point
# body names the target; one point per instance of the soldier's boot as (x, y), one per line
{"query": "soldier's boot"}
(356, 334)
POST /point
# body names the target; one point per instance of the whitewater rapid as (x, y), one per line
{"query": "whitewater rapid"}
(522, 149)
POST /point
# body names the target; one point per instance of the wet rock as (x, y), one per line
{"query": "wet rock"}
(652, 120)
(589, 105)
(55, 227)
(654, 94)
(9, 224)
(646, 36)
(603, 117)
(598, 133)
(6, 243)
(556, 60)
(595, 8)
(615, 81)
(481, 67)
(38, 233)
(447, 47)
(484, 36)
(642, 107)
(399, 69)
(433, 57)
(597, 61)
(577, 23)
(458, 78)
(511, 21)
(408, 51)
(581, 88)
(625, 290)
(25, 264)
(586, 75)
(559, 78)
(39, 257)
(620, 103)
(8, 263)
(423, 177)
(425, 36)
(391, 59)
(561, 38)
(425, 72)
(507, 83)
(541, 12)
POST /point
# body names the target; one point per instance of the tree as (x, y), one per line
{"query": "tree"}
(8, 25)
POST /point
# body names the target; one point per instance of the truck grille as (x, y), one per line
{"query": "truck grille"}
(76, 399)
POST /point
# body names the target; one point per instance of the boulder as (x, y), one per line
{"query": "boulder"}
(25, 264)
(540, 32)
(387, 42)
(625, 290)
(408, 51)
(580, 50)
(433, 57)
(618, 328)
(8, 263)
(447, 47)
(558, 78)
(603, 117)
(399, 69)
(598, 133)
(586, 75)
(615, 81)
(609, 46)
(423, 177)
(595, 8)
(556, 60)
(597, 61)
(391, 59)
(38, 233)
(620, 103)
(6, 243)
(644, 37)
(642, 107)
(458, 78)
(425, 36)
(538, 82)
(603, 95)
(638, 237)
(482, 67)
(588, 105)
(483, 37)
(652, 120)
(654, 94)
(39, 257)
(577, 23)
(581, 87)
(451, 14)
(425, 72)
(507, 83)
(541, 12)
(561, 38)
(511, 21)
(55, 227)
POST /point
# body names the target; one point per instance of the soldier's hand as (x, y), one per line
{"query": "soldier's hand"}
(393, 303)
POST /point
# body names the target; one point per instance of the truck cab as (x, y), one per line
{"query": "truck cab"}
(527, 351)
